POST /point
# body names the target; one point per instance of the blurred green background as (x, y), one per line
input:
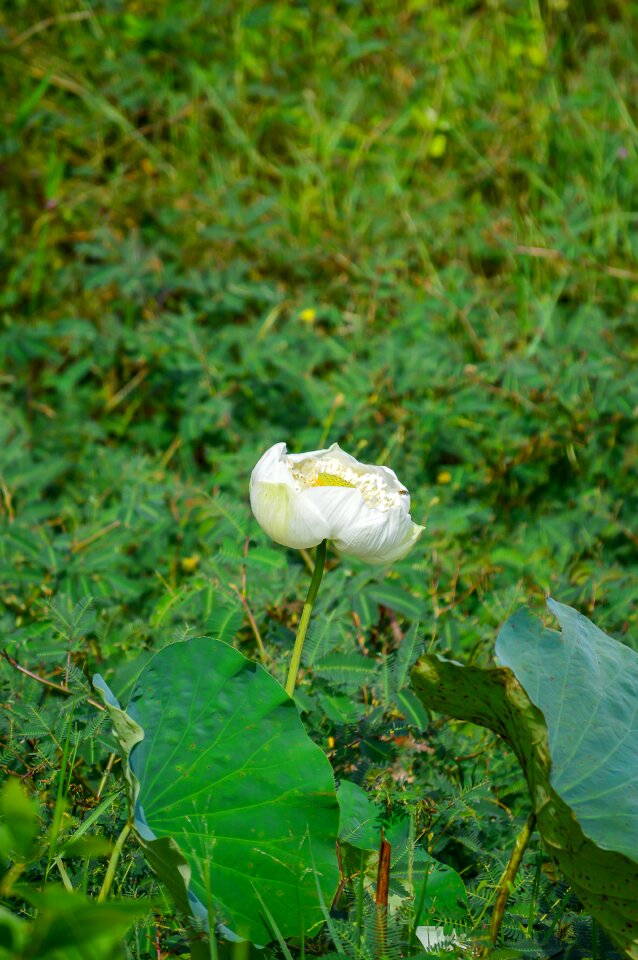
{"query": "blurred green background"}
(409, 227)
(406, 227)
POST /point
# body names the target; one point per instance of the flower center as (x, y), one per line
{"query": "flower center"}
(330, 480)
(329, 472)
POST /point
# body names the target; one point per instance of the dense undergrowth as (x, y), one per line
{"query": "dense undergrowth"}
(406, 227)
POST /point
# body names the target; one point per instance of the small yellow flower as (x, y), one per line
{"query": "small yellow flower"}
(308, 315)
(437, 146)
(190, 563)
(536, 55)
(444, 477)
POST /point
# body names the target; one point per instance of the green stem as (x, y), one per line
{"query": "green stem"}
(113, 862)
(60, 799)
(508, 877)
(66, 880)
(360, 892)
(313, 589)
(199, 945)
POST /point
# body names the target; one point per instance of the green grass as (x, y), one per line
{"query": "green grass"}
(407, 227)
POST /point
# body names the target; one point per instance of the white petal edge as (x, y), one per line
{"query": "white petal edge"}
(284, 518)
(302, 519)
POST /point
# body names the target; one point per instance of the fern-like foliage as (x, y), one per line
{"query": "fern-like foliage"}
(349, 671)
(325, 633)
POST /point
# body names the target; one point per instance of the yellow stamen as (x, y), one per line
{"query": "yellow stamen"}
(330, 480)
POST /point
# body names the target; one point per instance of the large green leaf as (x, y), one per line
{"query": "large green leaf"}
(567, 704)
(232, 800)
(586, 686)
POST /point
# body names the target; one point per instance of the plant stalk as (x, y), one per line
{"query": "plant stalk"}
(507, 879)
(359, 916)
(113, 862)
(313, 589)
(381, 900)
(199, 945)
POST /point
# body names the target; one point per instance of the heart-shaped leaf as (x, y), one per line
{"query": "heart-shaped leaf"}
(568, 705)
(233, 804)
(586, 686)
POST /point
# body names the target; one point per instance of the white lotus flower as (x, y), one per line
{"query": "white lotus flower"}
(300, 499)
